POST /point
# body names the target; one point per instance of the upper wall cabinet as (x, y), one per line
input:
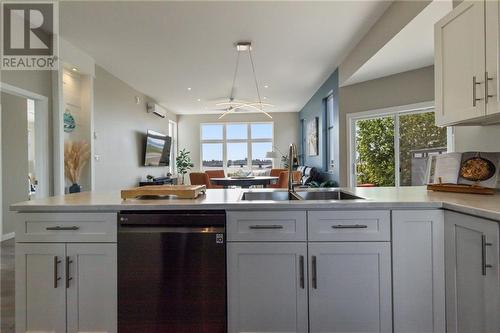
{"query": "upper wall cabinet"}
(466, 65)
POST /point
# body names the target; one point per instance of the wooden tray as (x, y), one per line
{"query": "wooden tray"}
(459, 188)
(181, 191)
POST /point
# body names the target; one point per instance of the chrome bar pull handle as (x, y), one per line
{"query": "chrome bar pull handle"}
(484, 265)
(474, 94)
(264, 227)
(314, 272)
(59, 228)
(68, 277)
(350, 226)
(486, 86)
(301, 272)
(56, 273)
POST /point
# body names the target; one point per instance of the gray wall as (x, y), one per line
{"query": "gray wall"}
(286, 130)
(14, 157)
(399, 89)
(120, 125)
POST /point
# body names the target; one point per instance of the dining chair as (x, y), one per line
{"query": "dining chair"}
(215, 174)
(200, 178)
(276, 172)
(283, 179)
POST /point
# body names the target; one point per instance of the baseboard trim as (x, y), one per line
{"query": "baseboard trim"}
(8, 236)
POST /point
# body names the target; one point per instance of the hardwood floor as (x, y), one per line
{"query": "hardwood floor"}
(7, 279)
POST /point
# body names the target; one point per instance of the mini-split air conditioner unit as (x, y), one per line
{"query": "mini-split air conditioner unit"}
(156, 110)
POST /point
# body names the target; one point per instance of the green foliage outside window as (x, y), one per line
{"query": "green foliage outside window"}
(375, 162)
(417, 131)
(375, 148)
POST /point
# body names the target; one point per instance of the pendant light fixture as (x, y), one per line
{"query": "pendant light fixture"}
(233, 105)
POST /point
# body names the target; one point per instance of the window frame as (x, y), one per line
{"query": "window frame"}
(396, 113)
(224, 141)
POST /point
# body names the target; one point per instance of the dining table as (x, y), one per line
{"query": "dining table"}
(244, 182)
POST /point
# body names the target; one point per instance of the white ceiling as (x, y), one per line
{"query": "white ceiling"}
(162, 48)
(411, 48)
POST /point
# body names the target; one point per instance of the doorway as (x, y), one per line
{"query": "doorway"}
(24, 152)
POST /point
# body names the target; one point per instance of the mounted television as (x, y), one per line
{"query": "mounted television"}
(157, 149)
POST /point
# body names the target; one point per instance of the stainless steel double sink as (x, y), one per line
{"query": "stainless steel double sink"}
(299, 195)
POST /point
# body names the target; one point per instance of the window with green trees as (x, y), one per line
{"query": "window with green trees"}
(392, 150)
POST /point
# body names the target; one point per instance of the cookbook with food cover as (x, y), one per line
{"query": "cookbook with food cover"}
(469, 168)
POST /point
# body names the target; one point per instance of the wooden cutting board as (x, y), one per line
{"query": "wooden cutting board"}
(459, 188)
(180, 191)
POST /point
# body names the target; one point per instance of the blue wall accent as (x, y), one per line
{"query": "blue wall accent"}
(316, 107)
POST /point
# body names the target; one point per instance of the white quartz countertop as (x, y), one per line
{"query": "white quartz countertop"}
(487, 206)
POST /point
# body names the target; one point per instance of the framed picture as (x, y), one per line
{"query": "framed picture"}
(312, 137)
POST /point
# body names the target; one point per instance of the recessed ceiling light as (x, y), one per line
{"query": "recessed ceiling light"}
(199, 99)
(266, 86)
(189, 88)
(74, 69)
(265, 97)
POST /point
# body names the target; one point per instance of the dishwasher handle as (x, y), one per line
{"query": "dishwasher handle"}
(133, 228)
(195, 219)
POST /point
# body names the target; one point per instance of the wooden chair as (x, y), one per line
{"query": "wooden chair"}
(276, 172)
(283, 179)
(215, 174)
(199, 178)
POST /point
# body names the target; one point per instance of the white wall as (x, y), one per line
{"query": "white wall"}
(120, 126)
(395, 18)
(286, 130)
(477, 138)
(14, 156)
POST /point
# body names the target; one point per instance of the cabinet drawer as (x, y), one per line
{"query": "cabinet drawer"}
(67, 227)
(266, 226)
(349, 226)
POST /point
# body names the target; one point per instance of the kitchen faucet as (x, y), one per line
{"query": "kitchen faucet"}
(292, 157)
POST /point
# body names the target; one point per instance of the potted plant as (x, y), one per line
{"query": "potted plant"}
(76, 156)
(183, 163)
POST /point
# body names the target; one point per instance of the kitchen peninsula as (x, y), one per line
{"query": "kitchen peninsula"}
(376, 264)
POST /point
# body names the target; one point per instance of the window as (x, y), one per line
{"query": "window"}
(236, 146)
(172, 132)
(392, 148)
(332, 139)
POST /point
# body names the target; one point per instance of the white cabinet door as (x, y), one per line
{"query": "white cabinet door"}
(418, 271)
(40, 290)
(459, 60)
(492, 56)
(92, 287)
(472, 290)
(267, 287)
(350, 287)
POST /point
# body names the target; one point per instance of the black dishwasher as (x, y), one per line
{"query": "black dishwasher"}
(172, 272)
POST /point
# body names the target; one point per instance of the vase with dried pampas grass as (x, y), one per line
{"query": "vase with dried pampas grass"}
(76, 156)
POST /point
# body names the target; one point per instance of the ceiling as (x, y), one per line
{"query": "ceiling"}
(164, 48)
(411, 48)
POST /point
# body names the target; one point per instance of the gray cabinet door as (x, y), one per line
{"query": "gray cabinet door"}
(267, 287)
(40, 289)
(418, 271)
(472, 290)
(459, 63)
(350, 287)
(92, 288)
